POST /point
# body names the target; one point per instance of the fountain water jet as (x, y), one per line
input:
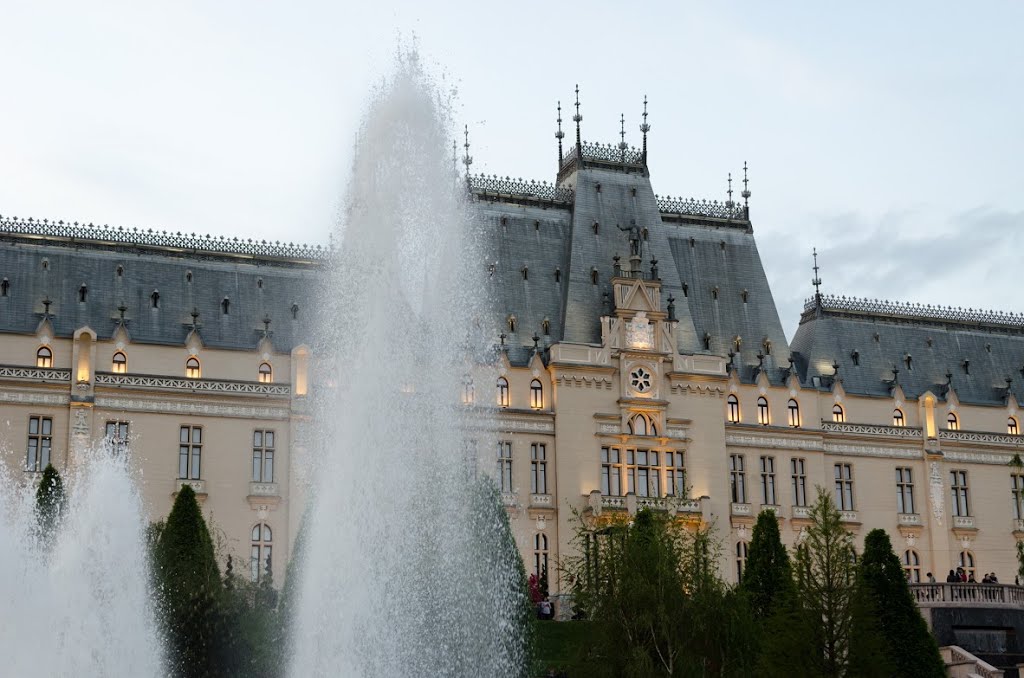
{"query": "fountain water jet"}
(402, 570)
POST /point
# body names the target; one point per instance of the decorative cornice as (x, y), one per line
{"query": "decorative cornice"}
(774, 442)
(508, 424)
(872, 451)
(698, 389)
(199, 385)
(977, 457)
(870, 429)
(23, 397)
(581, 381)
(208, 409)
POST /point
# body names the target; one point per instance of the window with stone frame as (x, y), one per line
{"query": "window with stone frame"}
(897, 418)
(40, 443)
(912, 566)
(503, 394)
(675, 474)
(733, 409)
(643, 473)
(119, 364)
(904, 490)
(536, 395)
(611, 472)
(44, 357)
(737, 479)
(838, 415)
(844, 487)
(763, 415)
(952, 422)
(263, 456)
(741, 559)
(265, 373)
(192, 368)
(190, 452)
(261, 552)
(798, 473)
(966, 561)
(115, 437)
(1017, 494)
(794, 413)
(959, 493)
(1011, 426)
(768, 480)
(505, 465)
(538, 468)
(540, 555)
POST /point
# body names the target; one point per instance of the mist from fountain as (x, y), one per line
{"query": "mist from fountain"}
(402, 570)
(77, 603)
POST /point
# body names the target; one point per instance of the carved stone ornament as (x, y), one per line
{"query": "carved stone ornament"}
(935, 492)
(81, 425)
(640, 332)
(911, 539)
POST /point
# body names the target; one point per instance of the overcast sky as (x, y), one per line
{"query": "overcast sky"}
(889, 135)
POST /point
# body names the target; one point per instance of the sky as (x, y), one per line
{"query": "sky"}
(887, 135)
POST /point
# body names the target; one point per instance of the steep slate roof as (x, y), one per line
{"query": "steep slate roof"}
(700, 245)
(939, 341)
(151, 262)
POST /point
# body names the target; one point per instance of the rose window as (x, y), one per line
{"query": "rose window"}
(640, 380)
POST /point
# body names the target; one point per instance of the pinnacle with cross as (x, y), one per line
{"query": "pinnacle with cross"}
(817, 280)
(622, 131)
(729, 192)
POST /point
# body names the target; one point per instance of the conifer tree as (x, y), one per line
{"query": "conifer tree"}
(906, 642)
(50, 501)
(768, 577)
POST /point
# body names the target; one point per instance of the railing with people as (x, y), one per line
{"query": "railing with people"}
(943, 594)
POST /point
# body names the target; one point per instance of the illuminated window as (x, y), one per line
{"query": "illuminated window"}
(904, 490)
(741, 559)
(838, 416)
(40, 430)
(611, 474)
(468, 390)
(762, 411)
(120, 363)
(794, 413)
(768, 480)
(192, 368)
(959, 493)
(675, 474)
(503, 394)
(263, 456)
(799, 476)
(116, 437)
(643, 473)
(640, 425)
(844, 487)
(897, 418)
(1011, 426)
(912, 566)
(261, 551)
(190, 452)
(733, 409)
(966, 561)
(952, 423)
(538, 468)
(737, 479)
(505, 465)
(536, 395)
(540, 555)
(44, 357)
(266, 373)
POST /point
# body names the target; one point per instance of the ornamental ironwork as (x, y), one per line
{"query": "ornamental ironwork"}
(149, 237)
(35, 373)
(534, 190)
(978, 437)
(178, 383)
(605, 153)
(914, 311)
(701, 208)
(871, 429)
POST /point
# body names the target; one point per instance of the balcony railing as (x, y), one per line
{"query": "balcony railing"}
(35, 373)
(153, 381)
(541, 500)
(965, 522)
(739, 509)
(982, 595)
(910, 518)
(803, 512)
(198, 486)
(264, 490)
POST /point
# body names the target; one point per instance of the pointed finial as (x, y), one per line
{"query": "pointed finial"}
(195, 317)
(535, 340)
(746, 191)
(266, 325)
(622, 131)
(578, 119)
(502, 337)
(467, 159)
(816, 281)
(559, 135)
(645, 128)
(729, 202)
(46, 306)
(121, 309)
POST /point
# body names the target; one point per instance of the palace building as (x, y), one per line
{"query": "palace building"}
(643, 363)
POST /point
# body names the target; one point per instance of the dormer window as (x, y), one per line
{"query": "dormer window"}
(593, 276)
(511, 323)
(545, 326)
(909, 362)
(503, 395)
(855, 356)
(707, 341)
(743, 296)
(714, 292)
(558, 275)
(82, 292)
(732, 411)
(897, 418)
(838, 415)
(44, 357)
(597, 228)
(794, 413)
(1011, 426)
(155, 299)
(265, 374)
(686, 290)
(295, 311)
(763, 417)
(952, 422)
(188, 276)
(120, 271)
(766, 345)
(536, 395)
(5, 287)
(225, 306)
(192, 369)
(526, 273)
(967, 367)
(119, 365)
(736, 343)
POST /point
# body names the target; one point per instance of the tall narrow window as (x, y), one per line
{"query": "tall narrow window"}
(116, 437)
(192, 370)
(44, 357)
(119, 365)
(1011, 426)
(762, 411)
(265, 374)
(912, 566)
(644, 473)
(737, 479)
(82, 292)
(959, 493)
(838, 416)
(190, 452)
(536, 395)
(263, 456)
(675, 474)
(797, 468)
(5, 287)
(503, 394)
(741, 559)
(952, 423)
(904, 490)
(733, 409)
(155, 299)
(538, 468)
(966, 561)
(611, 482)
(768, 480)
(897, 418)
(225, 306)
(1017, 492)
(794, 413)
(505, 465)
(540, 555)
(640, 425)
(468, 390)
(844, 487)
(261, 553)
(40, 432)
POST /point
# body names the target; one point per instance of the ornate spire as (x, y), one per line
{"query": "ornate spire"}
(559, 135)
(816, 281)
(578, 119)
(645, 128)
(46, 306)
(195, 318)
(266, 326)
(729, 203)
(467, 159)
(746, 192)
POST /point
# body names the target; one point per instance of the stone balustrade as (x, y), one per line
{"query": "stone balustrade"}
(943, 594)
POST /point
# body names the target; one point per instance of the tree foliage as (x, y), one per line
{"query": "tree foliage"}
(768, 577)
(50, 502)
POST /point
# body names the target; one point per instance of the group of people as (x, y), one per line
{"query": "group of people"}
(959, 575)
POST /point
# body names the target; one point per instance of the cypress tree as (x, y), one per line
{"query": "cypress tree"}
(909, 647)
(768, 577)
(50, 501)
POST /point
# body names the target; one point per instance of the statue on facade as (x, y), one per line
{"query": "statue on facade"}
(634, 237)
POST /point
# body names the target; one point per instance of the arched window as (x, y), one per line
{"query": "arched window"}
(640, 425)
(741, 559)
(1011, 426)
(794, 413)
(838, 416)
(912, 566)
(733, 409)
(536, 395)
(966, 561)
(192, 370)
(762, 411)
(540, 555)
(897, 418)
(261, 550)
(503, 395)
(119, 365)
(468, 390)
(44, 357)
(952, 423)
(266, 373)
